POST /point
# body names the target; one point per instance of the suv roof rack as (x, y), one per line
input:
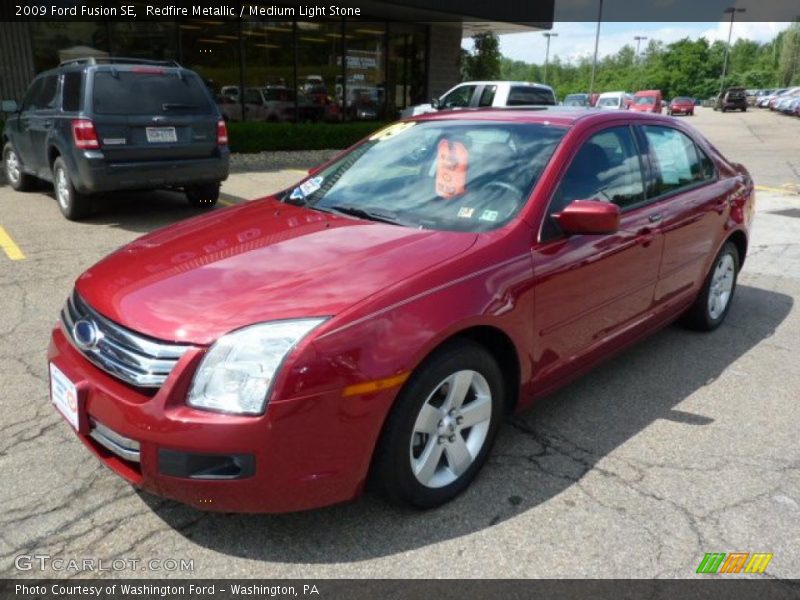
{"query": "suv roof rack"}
(115, 60)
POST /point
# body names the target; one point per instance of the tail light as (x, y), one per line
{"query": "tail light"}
(84, 135)
(222, 133)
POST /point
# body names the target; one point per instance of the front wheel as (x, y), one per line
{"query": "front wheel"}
(73, 205)
(714, 300)
(16, 177)
(441, 428)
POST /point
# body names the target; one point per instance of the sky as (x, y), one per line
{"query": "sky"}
(577, 39)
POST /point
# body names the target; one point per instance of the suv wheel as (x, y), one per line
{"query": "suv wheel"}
(16, 177)
(73, 205)
(441, 428)
(203, 196)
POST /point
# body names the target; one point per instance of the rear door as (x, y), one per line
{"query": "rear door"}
(690, 205)
(153, 114)
(40, 123)
(22, 139)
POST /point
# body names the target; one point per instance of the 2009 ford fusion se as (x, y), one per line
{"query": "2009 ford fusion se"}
(377, 321)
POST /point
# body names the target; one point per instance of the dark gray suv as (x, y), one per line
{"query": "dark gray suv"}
(102, 125)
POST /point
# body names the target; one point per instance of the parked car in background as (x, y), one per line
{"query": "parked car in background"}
(763, 101)
(781, 103)
(733, 99)
(789, 106)
(577, 100)
(379, 319)
(613, 101)
(750, 96)
(682, 105)
(272, 103)
(108, 124)
(484, 94)
(787, 93)
(647, 101)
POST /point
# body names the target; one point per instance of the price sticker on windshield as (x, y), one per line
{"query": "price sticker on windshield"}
(306, 188)
(391, 131)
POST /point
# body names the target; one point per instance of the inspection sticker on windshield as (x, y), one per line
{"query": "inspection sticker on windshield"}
(489, 215)
(306, 188)
(465, 212)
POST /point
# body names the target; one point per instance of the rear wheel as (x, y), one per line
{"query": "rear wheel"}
(16, 177)
(73, 205)
(441, 427)
(714, 300)
(203, 196)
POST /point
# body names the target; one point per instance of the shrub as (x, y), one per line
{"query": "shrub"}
(260, 137)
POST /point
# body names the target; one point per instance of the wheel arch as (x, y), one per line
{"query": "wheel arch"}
(739, 240)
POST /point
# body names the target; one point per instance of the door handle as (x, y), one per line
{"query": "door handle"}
(655, 218)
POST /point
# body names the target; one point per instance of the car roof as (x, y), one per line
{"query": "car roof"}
(608, 94)
(505, 82)
(564, 116)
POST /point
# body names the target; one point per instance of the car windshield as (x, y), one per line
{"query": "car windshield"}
(439, 174)
(645, 100)
(610, 101)
(682, 100)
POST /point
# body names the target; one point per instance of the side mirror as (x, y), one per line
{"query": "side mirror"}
(435, 103)
(315, 170)
(9, 106)
(589, 217)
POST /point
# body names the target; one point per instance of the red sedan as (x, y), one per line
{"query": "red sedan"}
(681, 106)
(379, 319)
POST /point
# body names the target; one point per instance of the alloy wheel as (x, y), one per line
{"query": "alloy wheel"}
(451, 429)
(12, 167)
(719, 292)
(62, 188)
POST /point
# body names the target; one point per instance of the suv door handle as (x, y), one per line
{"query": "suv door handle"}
(655, 218)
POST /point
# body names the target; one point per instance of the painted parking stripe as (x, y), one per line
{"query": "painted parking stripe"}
(788, 188)
(9, 246)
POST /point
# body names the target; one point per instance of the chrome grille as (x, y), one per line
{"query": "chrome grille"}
(129, 356)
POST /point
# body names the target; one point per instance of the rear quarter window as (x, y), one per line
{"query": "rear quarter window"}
(149, 93)
(525, 95)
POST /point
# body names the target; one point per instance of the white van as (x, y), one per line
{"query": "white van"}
(613, 100)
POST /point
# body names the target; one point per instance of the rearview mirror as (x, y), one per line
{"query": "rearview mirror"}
(435, 103)
(9, 106)
(588, 217)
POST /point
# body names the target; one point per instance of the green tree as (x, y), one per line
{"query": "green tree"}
(484, 60)
(789, 62)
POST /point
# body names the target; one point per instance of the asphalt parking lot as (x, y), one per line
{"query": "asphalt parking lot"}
(685, 444)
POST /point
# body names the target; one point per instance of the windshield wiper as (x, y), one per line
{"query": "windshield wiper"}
(176, 106)
(360, 213)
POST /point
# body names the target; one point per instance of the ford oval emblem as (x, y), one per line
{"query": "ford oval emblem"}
(85, 334)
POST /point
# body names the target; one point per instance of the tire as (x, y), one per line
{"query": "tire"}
(203, 196)
(400, 469)
(12, 167)
(73, 205)
(744, 109)
(704, 315)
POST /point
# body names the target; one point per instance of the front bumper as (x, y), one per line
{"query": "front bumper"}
(306, 452)
(96, 174)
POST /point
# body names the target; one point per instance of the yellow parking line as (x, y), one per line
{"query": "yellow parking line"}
(226, 202)
(784, 190)
(9, 246)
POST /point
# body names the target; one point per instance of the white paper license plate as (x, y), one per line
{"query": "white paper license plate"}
(160, 135)
(64, 395)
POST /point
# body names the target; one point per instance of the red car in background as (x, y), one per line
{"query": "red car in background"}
(681, 105)
(647, 101)
(378, 319)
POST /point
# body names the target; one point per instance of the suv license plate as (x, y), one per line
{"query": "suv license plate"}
(160, 135)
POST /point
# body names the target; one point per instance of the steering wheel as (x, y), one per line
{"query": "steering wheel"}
(508, 187)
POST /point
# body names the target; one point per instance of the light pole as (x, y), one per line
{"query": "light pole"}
(596, 42)
(639, 39)
(548, 35)
(732, 11)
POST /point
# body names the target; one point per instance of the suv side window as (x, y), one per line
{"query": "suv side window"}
(526, 95)
(487, 95)
(71, 91)
(458, 98)
(252, 96)
(675, 161)
(48, 99)
(606, 168)
(30, 100)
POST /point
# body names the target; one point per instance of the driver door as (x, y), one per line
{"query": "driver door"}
(590, 289)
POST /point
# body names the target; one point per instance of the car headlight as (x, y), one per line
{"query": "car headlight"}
(236, 374)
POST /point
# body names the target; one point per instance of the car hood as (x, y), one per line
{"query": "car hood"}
(199, 279)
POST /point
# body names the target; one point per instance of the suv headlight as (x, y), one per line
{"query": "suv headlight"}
(236, 374)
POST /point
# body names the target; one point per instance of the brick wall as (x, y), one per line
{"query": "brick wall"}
(443, 62)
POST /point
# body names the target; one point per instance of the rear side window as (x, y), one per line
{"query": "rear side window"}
(459, 97)
(522, 95)
(149, 92)
(675, 161)
(71, 92)
(487, 95)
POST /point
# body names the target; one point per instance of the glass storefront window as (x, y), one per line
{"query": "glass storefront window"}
(212, 49)
(54, 42)
(268, 70)
(319, 67)
(363, 94)
(407, 66)
(154, 40)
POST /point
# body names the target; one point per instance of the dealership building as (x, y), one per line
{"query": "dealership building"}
(396, 53)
